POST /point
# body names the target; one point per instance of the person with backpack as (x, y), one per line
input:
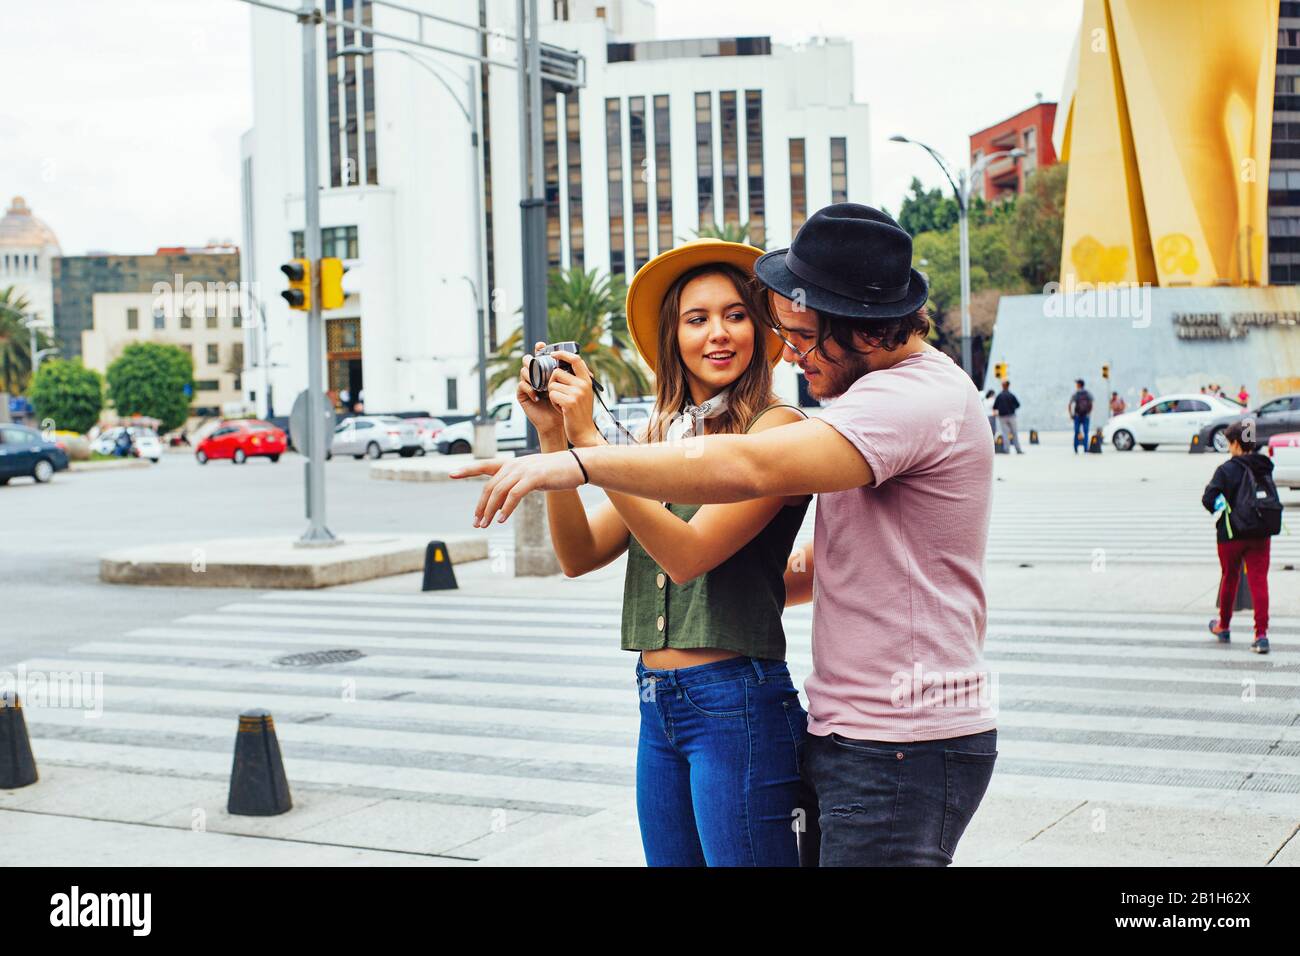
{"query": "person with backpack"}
(1244, 497)
(1080, 409)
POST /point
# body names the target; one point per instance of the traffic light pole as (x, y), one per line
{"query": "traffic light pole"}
(317, 532)
(532, 208)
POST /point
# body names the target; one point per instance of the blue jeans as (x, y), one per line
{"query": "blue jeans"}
(717, 764)
(1080, 432)
(880, 803)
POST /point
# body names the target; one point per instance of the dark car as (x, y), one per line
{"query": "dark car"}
(1273, 417)
(25, 452)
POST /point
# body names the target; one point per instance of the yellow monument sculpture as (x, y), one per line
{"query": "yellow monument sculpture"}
(1168, 113)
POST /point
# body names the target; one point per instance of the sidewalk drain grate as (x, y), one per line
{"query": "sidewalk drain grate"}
(313, 658)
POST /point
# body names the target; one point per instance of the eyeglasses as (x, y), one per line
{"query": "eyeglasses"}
(800, 354)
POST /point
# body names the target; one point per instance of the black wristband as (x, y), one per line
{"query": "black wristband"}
(574, 453)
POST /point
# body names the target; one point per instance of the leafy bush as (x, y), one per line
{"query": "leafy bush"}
(68, 393)
(155, 380)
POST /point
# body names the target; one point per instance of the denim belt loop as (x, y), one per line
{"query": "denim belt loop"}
(758, 669)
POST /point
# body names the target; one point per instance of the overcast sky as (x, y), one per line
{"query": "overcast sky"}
(120, 121)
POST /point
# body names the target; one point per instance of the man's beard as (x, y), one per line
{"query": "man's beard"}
(834, 380)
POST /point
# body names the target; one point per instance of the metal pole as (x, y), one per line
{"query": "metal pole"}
(317, 532)
(963, 202)
(33, 356)
(532, 207)
(483, 295)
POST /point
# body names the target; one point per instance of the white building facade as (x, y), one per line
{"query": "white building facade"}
(27, 250)
(664, 137)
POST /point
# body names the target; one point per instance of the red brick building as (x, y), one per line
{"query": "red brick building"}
(1030, 130)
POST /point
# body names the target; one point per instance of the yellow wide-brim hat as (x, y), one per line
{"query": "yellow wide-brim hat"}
(652, 281)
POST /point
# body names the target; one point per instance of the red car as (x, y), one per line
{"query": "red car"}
(242, 440)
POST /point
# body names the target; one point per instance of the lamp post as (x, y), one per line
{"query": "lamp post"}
(961, 191)
(484, 434)
(32, 321)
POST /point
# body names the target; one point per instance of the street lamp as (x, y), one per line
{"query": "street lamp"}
(484, 436)
(961, 190)
(32, 321)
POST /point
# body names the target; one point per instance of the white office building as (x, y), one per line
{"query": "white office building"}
(663, 136)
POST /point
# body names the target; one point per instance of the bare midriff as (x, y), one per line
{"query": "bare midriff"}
(673, 658)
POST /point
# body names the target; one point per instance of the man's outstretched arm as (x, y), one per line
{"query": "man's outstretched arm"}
(801, 458)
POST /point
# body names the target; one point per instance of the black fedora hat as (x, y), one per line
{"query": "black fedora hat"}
(847, 260)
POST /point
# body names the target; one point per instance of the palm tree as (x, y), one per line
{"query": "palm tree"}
(586, 308)
(730, 232)
(15, 340)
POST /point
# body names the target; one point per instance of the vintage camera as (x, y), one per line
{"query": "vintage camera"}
(544, 364)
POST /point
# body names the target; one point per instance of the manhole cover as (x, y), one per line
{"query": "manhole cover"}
(312, 658)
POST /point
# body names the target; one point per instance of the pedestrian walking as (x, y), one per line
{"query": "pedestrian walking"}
(717, 769)
(1243, 396)
(991, 412)
(1079, 409)
(901, 739)
(1117, 405)
(1146, 398)
(1005, 405)
(1249, 512)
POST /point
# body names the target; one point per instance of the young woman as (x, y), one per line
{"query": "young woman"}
(721, 723)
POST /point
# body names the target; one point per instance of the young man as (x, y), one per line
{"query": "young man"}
(1005, 405)
(1117, 404)
(1079, 409)
(902, 737)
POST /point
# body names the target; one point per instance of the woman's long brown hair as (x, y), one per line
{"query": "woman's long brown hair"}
(750, 393)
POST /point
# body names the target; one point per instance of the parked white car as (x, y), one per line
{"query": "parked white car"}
(372, 436)
(1285, 452)
(1168, 420)
(633, 415)
(145, 440)
(511, 428)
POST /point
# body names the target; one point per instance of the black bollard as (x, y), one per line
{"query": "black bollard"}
(1196, 448)
(1033, 437)
(999, 446)
(1095, 443)
(17, 765)
(258, 785)
(438, 572)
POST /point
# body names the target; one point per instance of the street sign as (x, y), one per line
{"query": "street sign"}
(298, 424)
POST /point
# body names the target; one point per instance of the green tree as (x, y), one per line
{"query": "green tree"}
(1037, 224)
(729, 232)
(16, 342)
(927, 210)
(586, 308)
(150, 379)
(68, 393)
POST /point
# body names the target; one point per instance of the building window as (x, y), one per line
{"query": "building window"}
(133, 319)
(614, 165)
(573, 148)
(754, 166)
(339, 242)
(730, 159)
(551, 175)
(236, 317)
(207, 385)
(214, 354)
(237, 355)
(704, 156)
(560, 9)
(159, 319)
(638, 169)
(332, 66)
(452, 397)
(212, 317)
(187, 321)
(189, 349)
(368, 66)
(839, 169)
(663, 175)
(798, 186)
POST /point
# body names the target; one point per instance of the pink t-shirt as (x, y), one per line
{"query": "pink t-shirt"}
(898, 600)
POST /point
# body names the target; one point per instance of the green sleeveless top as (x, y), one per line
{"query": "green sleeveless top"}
(736, 606)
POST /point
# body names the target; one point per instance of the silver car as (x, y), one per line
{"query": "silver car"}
(372, 436)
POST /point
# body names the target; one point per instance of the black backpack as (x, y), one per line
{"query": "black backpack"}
(1256, 508)
(1083, 404)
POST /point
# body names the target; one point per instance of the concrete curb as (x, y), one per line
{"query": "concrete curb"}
(428, 468)
(276, 563)
(103, 465)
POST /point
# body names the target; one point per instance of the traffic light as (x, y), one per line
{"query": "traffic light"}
(1000, 371)
(1105, 371)
(331, 283)
(298, 295)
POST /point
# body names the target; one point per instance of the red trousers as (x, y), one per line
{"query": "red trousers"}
(1254, 551)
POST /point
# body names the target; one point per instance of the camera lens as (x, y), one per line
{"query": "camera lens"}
(539, 372)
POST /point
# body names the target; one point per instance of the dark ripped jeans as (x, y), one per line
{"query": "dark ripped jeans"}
(881, 803)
